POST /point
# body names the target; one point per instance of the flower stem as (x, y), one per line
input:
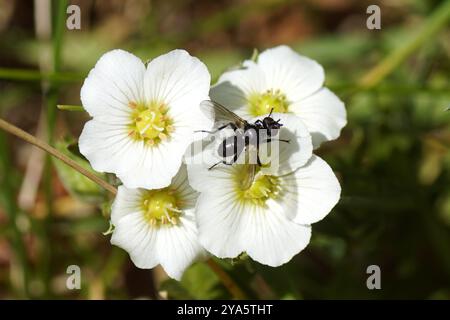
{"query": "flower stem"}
(227, 281)
(36, 75)
(433, 25)
(8, 127)
(69, 107)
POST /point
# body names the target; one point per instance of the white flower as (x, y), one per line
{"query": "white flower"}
(288, 82)
(271, 220)
(143, 116)
(158, 226)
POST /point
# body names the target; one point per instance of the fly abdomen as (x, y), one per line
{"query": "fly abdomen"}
(231, 146)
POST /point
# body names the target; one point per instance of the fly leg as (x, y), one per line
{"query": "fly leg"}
(229, 124)
(266, 141)
(258, 160)
(282, 140)
(235, 157)
(220, 162)
(223, 162)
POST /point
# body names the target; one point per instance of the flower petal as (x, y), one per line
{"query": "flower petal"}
(324, 115)
(295, 75)
(182, 82)
(152, 167)
(310, 192)
(233, 87)
(126, 202)
(178, 246)
(178, 79)
(116, 80)
(185, 193)
(220, 227)
(133, 234)
(218, 179)
(227, 228)
(272, 239)
(106, 145)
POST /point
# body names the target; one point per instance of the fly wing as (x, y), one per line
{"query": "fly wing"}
(249, 177)
(218, 113)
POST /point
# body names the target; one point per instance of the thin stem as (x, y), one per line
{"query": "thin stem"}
(227, 281)
(68, 107)
(433, 25)
(8, 127)
(36, 75)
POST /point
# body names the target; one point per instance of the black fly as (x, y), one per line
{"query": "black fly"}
(245, 133)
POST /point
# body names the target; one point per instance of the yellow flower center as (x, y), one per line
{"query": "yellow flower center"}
(263, 187)
(161, 207)
(150, 122)
(263, 103)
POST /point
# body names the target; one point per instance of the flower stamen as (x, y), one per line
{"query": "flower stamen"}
(263, 103)
(263, 188)
(160, 207)
(150, 122)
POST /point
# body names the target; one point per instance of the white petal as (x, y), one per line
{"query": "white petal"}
(185, 193)
(311, 192)
(178, 246)
(324, 115)
(214, 180)
(233, 87)
(182, 82)
(106, 145)
(178, 79)
(126, 202)
(295, 75)
(228, 228)
(272, 239)
(286, 157)
(116, 79)
(220, 227)
(152, 167)
(133, 234)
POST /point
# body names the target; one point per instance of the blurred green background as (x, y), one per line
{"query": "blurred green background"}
(392, 159)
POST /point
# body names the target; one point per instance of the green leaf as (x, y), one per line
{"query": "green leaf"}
(76, 183)
(198, 282)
